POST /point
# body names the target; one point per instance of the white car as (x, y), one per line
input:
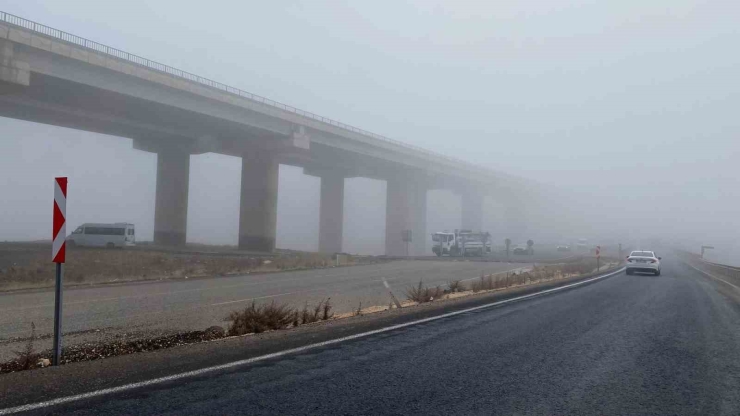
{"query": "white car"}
(643, 261)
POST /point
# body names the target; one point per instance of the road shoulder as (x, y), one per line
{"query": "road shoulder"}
(41, 385)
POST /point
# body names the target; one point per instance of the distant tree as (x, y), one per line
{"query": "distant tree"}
(508, 245)
(530, 243)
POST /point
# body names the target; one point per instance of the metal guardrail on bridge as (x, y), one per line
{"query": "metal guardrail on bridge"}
(117, 53)
(713, 268)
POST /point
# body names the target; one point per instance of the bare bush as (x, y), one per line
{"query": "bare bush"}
(484, 283)
(326, 310)
(321, 311)
(256, 319)
(27, 358)
(456, 286)
(423, 294)
(306, 316)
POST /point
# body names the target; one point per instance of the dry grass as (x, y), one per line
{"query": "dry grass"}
(256, 319)
(27, 358)
(423, 294)
(260, 318)
(28, 265)
(455, 286)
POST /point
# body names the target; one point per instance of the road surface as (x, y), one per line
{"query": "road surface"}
(160, 307)
(625, 345)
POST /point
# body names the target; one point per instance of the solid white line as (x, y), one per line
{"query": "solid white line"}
(713, 276)
(194, 373)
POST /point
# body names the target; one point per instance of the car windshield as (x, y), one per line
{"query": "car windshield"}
(642, 254)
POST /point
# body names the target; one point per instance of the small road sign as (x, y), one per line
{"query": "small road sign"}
(59, 229)
(58, 256)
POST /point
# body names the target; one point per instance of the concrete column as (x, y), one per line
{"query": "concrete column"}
(258, 201)
(472, 210)
(171, 201)
(419, 220)
(331, 214)
(405, 210)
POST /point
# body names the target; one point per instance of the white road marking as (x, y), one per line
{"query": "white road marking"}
(194, 373)
(713, 276)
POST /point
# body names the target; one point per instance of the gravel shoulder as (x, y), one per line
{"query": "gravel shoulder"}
(45, 384)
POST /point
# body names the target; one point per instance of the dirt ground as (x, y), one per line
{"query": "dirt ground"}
(28, 265)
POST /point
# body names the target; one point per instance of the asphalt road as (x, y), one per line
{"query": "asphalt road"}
(625, 345)
(142, 309)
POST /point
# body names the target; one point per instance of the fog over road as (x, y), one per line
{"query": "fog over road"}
(198, 304)
(625, 345)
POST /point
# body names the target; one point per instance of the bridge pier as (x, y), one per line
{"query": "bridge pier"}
(258, 201)
(171, 201)
(516, 225)
(406, 209)
(472, 210)
(331, 213)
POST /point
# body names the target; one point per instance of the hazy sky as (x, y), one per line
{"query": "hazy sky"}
(630, 104)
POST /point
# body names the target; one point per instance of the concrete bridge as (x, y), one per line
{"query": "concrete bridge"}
(49, 76)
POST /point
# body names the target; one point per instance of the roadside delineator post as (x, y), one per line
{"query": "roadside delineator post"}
(393, 297)
(58, 256)
(598, 258)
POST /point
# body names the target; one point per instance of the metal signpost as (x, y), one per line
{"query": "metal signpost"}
(406, 237)
(59, 233)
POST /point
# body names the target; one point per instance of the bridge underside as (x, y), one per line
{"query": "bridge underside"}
(174, 125)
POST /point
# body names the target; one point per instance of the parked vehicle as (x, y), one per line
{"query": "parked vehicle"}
(120, 234)
(582, 245)
(461, 243)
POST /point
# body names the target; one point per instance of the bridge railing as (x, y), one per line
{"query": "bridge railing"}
(117, 53)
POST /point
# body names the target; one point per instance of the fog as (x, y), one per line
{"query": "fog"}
(625, 112)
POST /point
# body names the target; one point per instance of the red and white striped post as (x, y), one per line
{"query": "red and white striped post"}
(58, 256)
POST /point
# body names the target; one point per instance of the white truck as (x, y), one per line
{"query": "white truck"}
(461, 243)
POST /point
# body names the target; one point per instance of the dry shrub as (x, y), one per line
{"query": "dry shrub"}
(27, 358)
(321, 311)
(485, 283)
(423, 294)
(256, 319)
(326, 309)
(456, 286)
(581, 267)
